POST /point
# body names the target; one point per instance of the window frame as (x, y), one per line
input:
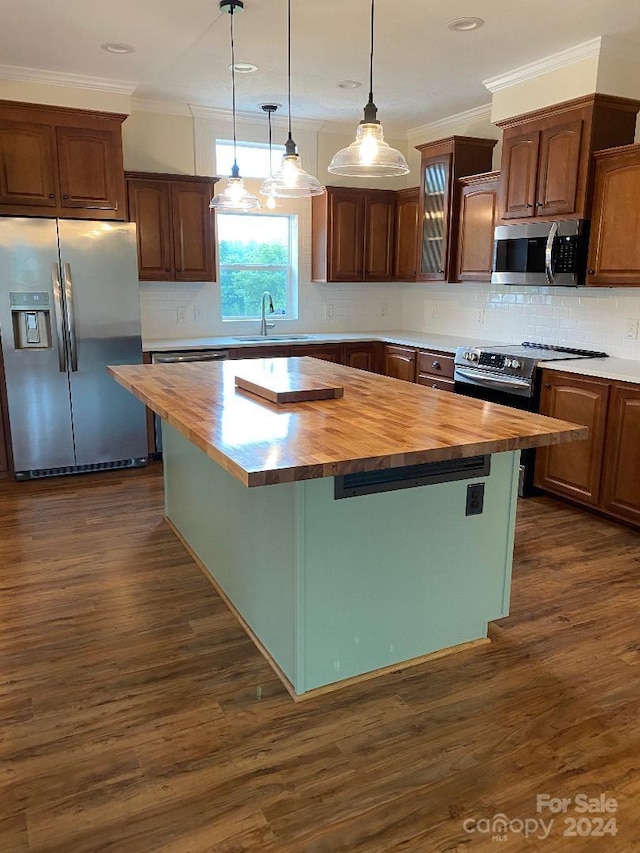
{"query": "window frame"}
(290, 269)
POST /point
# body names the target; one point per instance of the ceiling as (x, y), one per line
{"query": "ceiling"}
(422, 70)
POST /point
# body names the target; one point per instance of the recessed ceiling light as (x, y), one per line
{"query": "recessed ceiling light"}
(462, 25)
(348, 84)
(244, 67)
(117, 47)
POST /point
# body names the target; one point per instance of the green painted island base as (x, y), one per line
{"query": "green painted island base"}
(334, 589)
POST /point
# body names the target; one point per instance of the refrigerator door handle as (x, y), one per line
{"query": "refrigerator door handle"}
(71, 317)
(57, 301)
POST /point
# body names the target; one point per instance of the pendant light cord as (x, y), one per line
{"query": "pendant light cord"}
(289, 62)
(233, 95)
(371, 56)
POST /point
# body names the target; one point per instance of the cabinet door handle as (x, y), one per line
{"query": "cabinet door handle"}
(591, 272)
(178, 269)
(52, 195)
(435, 365)
(547, 385)
(167, 269)
(65, 196)
(528, 205)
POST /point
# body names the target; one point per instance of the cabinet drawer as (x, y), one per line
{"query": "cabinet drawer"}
(434, 382)
(435, 364)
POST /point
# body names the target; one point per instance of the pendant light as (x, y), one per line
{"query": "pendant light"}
(369, 156)
(291, 181)
(235, 198)
(271, 199)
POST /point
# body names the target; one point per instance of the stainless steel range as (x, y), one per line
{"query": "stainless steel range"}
(507, 375)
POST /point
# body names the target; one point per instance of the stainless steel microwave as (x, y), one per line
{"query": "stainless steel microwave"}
(541, 253)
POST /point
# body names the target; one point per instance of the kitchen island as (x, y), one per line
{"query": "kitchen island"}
(350, 535)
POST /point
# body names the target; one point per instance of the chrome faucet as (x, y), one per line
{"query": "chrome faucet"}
(264, 326)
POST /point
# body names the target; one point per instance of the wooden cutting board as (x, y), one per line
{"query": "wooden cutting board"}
(285, 381)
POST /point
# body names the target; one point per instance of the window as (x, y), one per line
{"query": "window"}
(257, 252)
(253, 158)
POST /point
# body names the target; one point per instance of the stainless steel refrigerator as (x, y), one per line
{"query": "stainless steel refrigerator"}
(69, 306)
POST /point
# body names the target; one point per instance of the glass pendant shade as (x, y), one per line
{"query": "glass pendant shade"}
(291, 181)
(235, 197)
(369, 155)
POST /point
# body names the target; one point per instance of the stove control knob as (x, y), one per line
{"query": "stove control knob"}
(471, 356)
(515, 363)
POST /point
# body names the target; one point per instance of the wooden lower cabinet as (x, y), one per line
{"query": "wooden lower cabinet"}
(574, 469)
(435, 369)
(6, 467)
(361, 356)
(621, 480)
(603, 471)
(400, 362)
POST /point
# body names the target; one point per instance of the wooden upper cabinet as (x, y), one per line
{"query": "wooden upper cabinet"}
(346, 237)
(379, 210)
(60, 162)
(621, 481)
(558, 168)
(546, 155)
(352, 235)
(192, 230)
(614, 246)
(175, 226)
(478, 209)
(406, 234)
(442, 163)
(519, 175)
(150, 209)
(573, 469)
(27, 164)
(90, 171)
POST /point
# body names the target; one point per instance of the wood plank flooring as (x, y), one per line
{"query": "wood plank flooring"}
(136, 716)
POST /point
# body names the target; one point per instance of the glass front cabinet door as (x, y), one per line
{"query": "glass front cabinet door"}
(435, 187)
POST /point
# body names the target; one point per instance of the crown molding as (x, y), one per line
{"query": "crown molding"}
(448, 125)
(75, 81)
(198, 111)
(151, 105)
(574, 54)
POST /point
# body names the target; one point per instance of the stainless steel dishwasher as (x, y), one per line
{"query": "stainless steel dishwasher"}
(182, 357)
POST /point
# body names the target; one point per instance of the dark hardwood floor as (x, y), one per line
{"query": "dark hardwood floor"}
(136, 716)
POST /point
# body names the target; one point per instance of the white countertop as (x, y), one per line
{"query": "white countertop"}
(423, 340)
(622, 369)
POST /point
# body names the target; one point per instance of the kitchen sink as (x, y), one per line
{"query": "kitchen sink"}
(266, 338)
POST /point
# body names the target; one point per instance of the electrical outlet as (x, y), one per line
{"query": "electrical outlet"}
(631, 329)
(475, 499)
(181, 315)
(328, 311)
(384, 308)
(479, 315)
(198, 315)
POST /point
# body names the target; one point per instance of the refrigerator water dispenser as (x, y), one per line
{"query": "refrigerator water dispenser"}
(31, 317)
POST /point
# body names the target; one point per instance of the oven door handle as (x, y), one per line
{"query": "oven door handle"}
(499, 381)
(548, 253)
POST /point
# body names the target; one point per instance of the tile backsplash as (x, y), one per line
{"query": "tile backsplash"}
(602, 318)
(590, 318)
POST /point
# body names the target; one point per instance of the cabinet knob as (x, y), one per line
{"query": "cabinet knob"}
(65, 196)
(529, 205)
(435, 365)
(441, 272)
(52, 195)
(178, 269)
(591, 272)
(167, 269)
(547, 385)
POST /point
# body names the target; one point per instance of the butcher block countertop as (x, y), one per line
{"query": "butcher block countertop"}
(379, 422)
